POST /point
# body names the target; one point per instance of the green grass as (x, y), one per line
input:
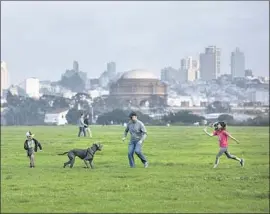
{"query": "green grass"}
(180, 177)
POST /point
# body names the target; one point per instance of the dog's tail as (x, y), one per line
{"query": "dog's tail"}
(63, 153)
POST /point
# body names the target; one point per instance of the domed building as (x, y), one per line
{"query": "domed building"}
(139, 87)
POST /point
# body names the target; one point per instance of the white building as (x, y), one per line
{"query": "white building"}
(31, 87)
(186, 101)
(98, 93)
(190, 67)
(4, 77)
(57, 117)
(191, 74)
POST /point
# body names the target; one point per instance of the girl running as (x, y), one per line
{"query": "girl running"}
(220, 131)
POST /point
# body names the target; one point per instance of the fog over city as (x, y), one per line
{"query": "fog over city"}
(41, 39)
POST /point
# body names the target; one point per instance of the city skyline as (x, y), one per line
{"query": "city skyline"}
(94, 34)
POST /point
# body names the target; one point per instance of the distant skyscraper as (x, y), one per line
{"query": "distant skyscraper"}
(191, 75)
(210, 63)
(75, 66)
(196, 68)
(4, 77)
(111, 67)
(186, 63)
(188, 69)
(237, 63)
(111, 70)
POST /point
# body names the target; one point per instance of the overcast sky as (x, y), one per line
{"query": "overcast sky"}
(41, 39)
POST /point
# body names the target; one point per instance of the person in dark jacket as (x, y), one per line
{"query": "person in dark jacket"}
(31, 146)
(81, 125)
(86, 126)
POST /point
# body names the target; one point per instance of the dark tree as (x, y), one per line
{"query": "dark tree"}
(74, 83)
(183, 117)
(226, 118)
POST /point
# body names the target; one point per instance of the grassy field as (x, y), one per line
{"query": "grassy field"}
(180, 177)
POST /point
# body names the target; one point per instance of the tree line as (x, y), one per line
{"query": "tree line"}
(28, 111)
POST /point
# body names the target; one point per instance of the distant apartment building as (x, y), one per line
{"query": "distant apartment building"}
(191, 75)
(75, 66)
(4, 77)
(210, 63)
(111, 68)
(108, 75)
(248, 73)
(237, 63)
(169, 75)
(190, 69)
(31, 87)
(186, 63)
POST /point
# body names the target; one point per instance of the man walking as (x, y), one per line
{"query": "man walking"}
(81, 126)
(138, 134)
(86, 127)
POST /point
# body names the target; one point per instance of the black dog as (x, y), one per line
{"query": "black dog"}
(84, 154)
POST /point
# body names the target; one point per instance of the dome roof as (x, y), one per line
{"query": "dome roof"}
(138, 74)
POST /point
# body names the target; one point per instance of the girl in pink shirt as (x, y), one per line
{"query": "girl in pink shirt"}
(220, 131)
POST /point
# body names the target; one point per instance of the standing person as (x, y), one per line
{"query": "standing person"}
(31, 145)
(138, 134)
(220, 131)
(86, 127)
(81, 126)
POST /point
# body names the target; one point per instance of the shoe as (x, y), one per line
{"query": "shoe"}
(215, 166)
(145, 164)
(242, 162)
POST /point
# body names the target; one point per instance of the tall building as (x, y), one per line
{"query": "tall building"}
(191, 75)
(237, 63)
(186, 63)
(75, 66)
(111, 67)
(210, 63)
(4, 77)
(189, 68)
(31, 87)
(111, 70)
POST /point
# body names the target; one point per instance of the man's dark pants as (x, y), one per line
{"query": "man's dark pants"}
(82, 130)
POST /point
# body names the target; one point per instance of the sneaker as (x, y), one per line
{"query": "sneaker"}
(215, 166)
(242, 162)
(145, 164)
